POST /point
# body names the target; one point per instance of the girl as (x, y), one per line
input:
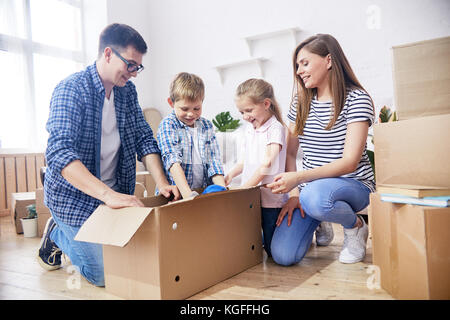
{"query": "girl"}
(331, 114)
(263, 154)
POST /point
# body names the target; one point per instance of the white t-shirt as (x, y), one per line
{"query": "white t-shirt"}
(253, 152)
(197, 165)
(110, 143)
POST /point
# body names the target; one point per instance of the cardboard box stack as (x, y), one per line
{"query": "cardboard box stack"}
(410, 242)
(174, 250)
(145, 179)
(19, 203)
(42, 211)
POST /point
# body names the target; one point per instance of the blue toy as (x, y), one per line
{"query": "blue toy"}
(213, 188)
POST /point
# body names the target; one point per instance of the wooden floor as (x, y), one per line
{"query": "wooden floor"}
(319, 276)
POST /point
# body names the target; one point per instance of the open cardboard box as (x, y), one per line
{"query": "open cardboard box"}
(174, 250)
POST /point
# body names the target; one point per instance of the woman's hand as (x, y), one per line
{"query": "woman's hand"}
(284, 182)
(288, 208)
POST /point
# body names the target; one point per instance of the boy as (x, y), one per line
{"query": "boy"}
(189, 149)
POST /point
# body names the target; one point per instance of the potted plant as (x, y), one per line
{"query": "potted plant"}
(29, 223)
(385, 115)
(224, 122)
(225, 126)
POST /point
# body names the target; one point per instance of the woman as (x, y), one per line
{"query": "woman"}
(330, 114)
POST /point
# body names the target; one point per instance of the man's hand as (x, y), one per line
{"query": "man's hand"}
(116, 200)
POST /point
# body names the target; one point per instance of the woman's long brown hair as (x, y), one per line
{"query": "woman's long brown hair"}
(341, 78)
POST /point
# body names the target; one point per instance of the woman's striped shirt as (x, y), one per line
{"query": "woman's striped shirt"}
(322, 146)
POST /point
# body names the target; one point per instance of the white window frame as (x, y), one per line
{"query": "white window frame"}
(28, 47)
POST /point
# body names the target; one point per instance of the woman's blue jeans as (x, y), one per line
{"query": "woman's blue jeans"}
(330, 199)
(88, 257)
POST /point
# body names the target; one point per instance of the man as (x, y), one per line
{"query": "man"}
(96, 127)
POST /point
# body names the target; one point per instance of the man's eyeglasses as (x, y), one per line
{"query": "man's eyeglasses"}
(131, 67)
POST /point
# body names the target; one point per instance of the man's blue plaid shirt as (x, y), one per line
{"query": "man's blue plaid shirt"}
(176, 145)
(75, 126)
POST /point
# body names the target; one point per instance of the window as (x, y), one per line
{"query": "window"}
(41, 43)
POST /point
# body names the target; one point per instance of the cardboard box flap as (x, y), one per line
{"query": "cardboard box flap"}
(112, 226)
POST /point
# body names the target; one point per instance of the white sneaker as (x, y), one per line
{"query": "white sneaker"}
(324, 233)
(355, 240)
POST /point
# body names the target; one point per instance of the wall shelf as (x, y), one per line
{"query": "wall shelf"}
(258, 61)
(290, 31)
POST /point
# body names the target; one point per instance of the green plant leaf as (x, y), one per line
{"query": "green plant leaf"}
(385, 114)
(395, 116)
(31, 211)
(371, 155)
(224, 121)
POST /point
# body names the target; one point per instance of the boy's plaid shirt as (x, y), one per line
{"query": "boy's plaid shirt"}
(177, 145)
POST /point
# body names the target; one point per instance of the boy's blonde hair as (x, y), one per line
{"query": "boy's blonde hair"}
(187, 86)
(257, 90)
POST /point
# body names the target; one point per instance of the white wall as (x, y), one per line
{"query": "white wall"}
(94, 22)
(135, 14)
(196, 35)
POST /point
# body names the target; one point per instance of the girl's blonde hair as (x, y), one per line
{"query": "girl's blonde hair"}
(341, 79)
(257, 90)
(187, 86)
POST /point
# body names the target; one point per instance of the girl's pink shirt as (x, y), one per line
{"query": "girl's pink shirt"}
(253, 152)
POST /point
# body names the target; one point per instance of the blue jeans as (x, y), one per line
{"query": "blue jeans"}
(88, 257)
(269, 218)
(331, 199)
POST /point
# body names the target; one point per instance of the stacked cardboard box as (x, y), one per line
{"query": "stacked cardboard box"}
(410, 242)
(144, 180)
(42, 211)
(19, 203)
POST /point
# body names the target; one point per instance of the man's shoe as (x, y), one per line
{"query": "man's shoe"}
(49, 255)
(324, 233)
(355, 240)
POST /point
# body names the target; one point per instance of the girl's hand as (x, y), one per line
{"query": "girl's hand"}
(284, 182)
(228, 180)
(288, 208)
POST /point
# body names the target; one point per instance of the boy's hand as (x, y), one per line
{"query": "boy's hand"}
(170, 192)
(228, 180)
